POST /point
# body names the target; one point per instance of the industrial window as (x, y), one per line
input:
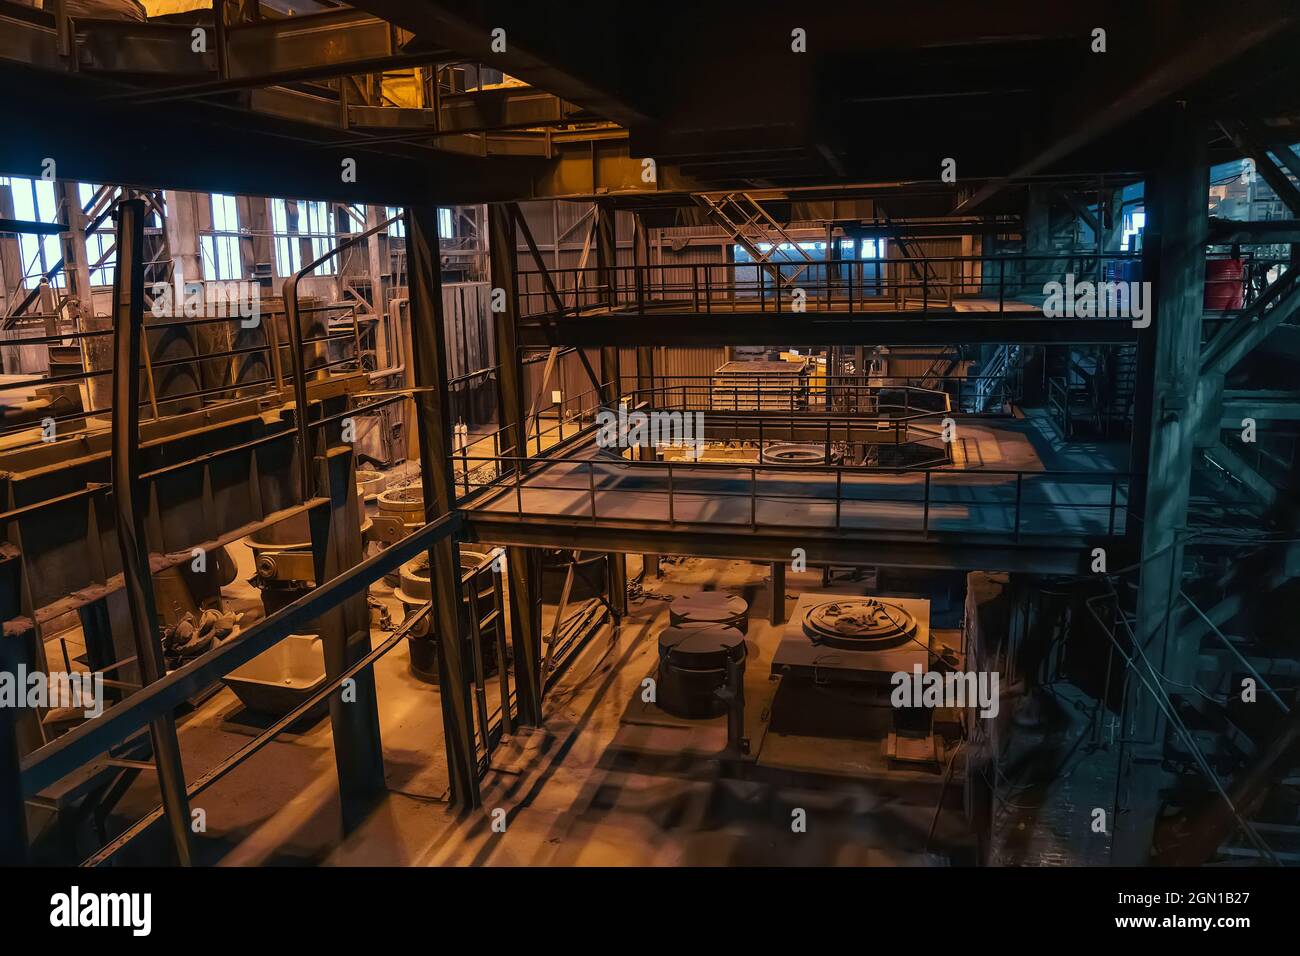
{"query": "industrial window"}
(34, 199)
(398, 229)
(871, 272)
(354, 218)
(221, 244)
(101, 245)
(748, 278)
(1135, 221)
(292, 222)
(446, 222)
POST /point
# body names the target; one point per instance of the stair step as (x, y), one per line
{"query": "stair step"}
(1250, 853)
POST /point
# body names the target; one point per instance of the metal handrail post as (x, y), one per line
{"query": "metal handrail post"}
(925, 515)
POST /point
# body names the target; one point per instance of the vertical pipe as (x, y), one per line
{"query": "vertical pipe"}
(128, 320)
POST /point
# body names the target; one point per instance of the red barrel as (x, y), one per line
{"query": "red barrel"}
(1224, 283)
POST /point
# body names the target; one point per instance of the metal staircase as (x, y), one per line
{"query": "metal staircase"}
(941, 368)
(993, 379)
(1236, 780)
(1092, 392)
(932, 285)
(749, 225)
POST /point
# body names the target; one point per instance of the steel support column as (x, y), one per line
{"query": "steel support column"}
(128, 324)
(429, 362)
(776, 613)
(345, 639)
(607, 280)
(645, 354)
(1175, 265)
(13, 812)
(612, 386)
(502, 272)
(524, 568)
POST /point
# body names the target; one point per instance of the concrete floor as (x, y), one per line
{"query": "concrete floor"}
(606, 782)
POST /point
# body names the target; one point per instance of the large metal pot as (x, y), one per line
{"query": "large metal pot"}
(414, 589)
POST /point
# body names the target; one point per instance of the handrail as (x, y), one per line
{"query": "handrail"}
(56, 759)
(841, 285)
(1241, 659)
(514, 480)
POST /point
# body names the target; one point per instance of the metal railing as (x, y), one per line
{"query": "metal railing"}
(922, 285)
(165, 402)
(909, 500)
(62, 756)
(867, 395)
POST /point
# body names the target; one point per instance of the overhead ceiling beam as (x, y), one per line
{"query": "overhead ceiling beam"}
(1227, 232)
(1271, 172)
(698, 329)
(1115, 96)
(467, 29)
(28, 227)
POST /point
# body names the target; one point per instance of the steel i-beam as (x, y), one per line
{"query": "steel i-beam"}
(128, 320)
(434, 426)
(1175, 255)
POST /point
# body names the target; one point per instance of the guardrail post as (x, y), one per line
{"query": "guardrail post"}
(1019, 484)
(671, 516)
(839, 488)
(925, 515)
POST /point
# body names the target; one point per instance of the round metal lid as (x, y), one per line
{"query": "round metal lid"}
(701, 645)
(708, 606)
(864, 624)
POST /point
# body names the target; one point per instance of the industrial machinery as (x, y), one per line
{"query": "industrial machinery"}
(283, 559)
(834, 637)
(414, 590)
(837, 659)
(760, 386)
(693, 667)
